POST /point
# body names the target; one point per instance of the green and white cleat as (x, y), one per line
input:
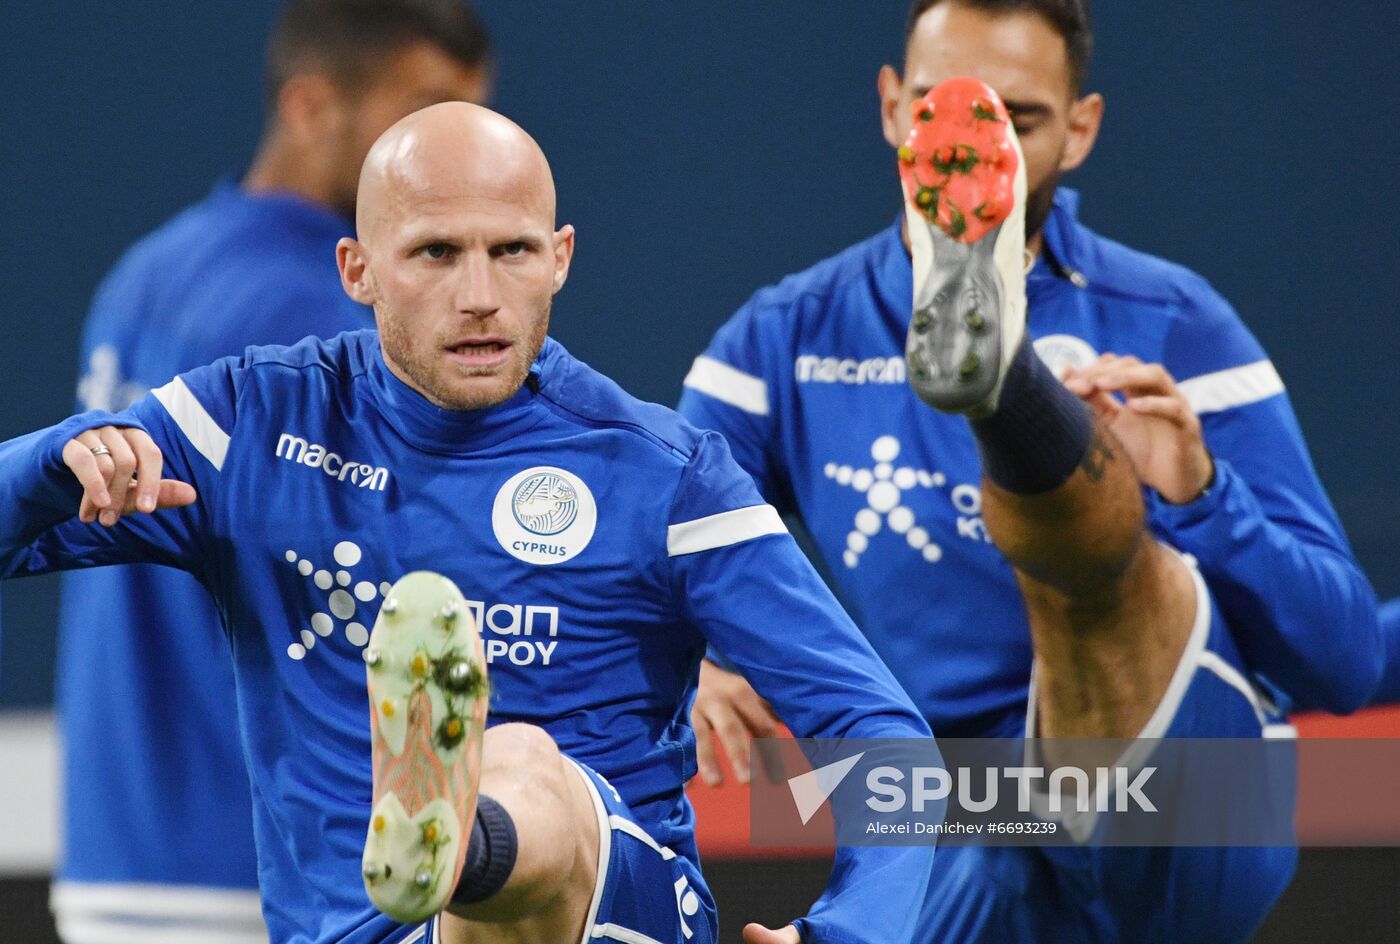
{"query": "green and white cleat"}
(428, 698)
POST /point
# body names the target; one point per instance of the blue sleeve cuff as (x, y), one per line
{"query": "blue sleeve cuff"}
(62, 485)
(92, 419)
(826, 935)
(36, 488)
(1194, 512)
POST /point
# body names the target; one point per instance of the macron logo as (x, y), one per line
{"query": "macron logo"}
(811, 790)
(316, 456)
(810, 368)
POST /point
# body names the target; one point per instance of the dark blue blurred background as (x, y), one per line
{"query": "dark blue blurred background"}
(703, 150)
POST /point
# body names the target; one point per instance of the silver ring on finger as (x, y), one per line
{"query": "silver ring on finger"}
(100, 450)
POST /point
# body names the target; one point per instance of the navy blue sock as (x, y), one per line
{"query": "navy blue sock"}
(1039, 433)
(490, 853)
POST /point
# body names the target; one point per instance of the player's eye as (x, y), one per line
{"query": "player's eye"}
(437, 251)
(512, 249)
(1024, 124)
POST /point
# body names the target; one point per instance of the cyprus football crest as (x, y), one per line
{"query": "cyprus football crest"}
(544, 515)
(1062, 351)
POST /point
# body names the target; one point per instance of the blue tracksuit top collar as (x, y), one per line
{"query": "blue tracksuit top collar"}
(1064, 256)
(432, 428)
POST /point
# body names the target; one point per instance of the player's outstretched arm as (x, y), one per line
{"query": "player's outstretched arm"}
(764, 608)
(742, 581)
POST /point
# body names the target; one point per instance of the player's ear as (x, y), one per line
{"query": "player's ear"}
(891, 89)
(563, 255)
(354, 270)
(304, 106)
(1085, 118)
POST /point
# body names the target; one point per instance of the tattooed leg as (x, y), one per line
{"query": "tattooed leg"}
(1110, 609)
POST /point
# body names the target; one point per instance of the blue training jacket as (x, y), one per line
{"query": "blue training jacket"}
(322, 478)
(145, 685)
(807, 382)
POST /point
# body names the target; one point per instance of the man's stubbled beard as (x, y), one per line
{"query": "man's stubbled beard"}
(1039, 203)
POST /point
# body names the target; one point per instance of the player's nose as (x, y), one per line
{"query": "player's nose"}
(478, 288)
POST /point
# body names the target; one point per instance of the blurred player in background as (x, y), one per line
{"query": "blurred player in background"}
(158, 834)
(614, 540)
(809, 383)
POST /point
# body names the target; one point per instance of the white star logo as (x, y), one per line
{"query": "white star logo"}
(341, 601)
(884, 487)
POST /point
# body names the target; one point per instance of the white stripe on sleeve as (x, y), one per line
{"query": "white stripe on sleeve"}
(1237, 386)
(723, 529)
(729, 385)
(194, 421)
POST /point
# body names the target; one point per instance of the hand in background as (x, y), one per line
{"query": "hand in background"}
(1153, 420)
(727, 709)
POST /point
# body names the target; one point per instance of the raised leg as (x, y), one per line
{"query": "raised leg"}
(1110, 609)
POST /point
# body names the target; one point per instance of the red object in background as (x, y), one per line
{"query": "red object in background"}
(722, 820)
(1349, 794)
(722, 813)
(1381, 722)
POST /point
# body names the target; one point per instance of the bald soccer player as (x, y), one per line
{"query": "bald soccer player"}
(602, 543)
(251, 263)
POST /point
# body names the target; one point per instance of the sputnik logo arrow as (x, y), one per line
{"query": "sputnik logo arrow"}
(811, 790)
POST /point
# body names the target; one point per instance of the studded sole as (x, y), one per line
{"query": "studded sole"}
(428, 698)
(954, 347)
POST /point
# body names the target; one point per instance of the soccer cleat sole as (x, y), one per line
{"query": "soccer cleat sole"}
(959, 170)
(428, 699)
(954, 347)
